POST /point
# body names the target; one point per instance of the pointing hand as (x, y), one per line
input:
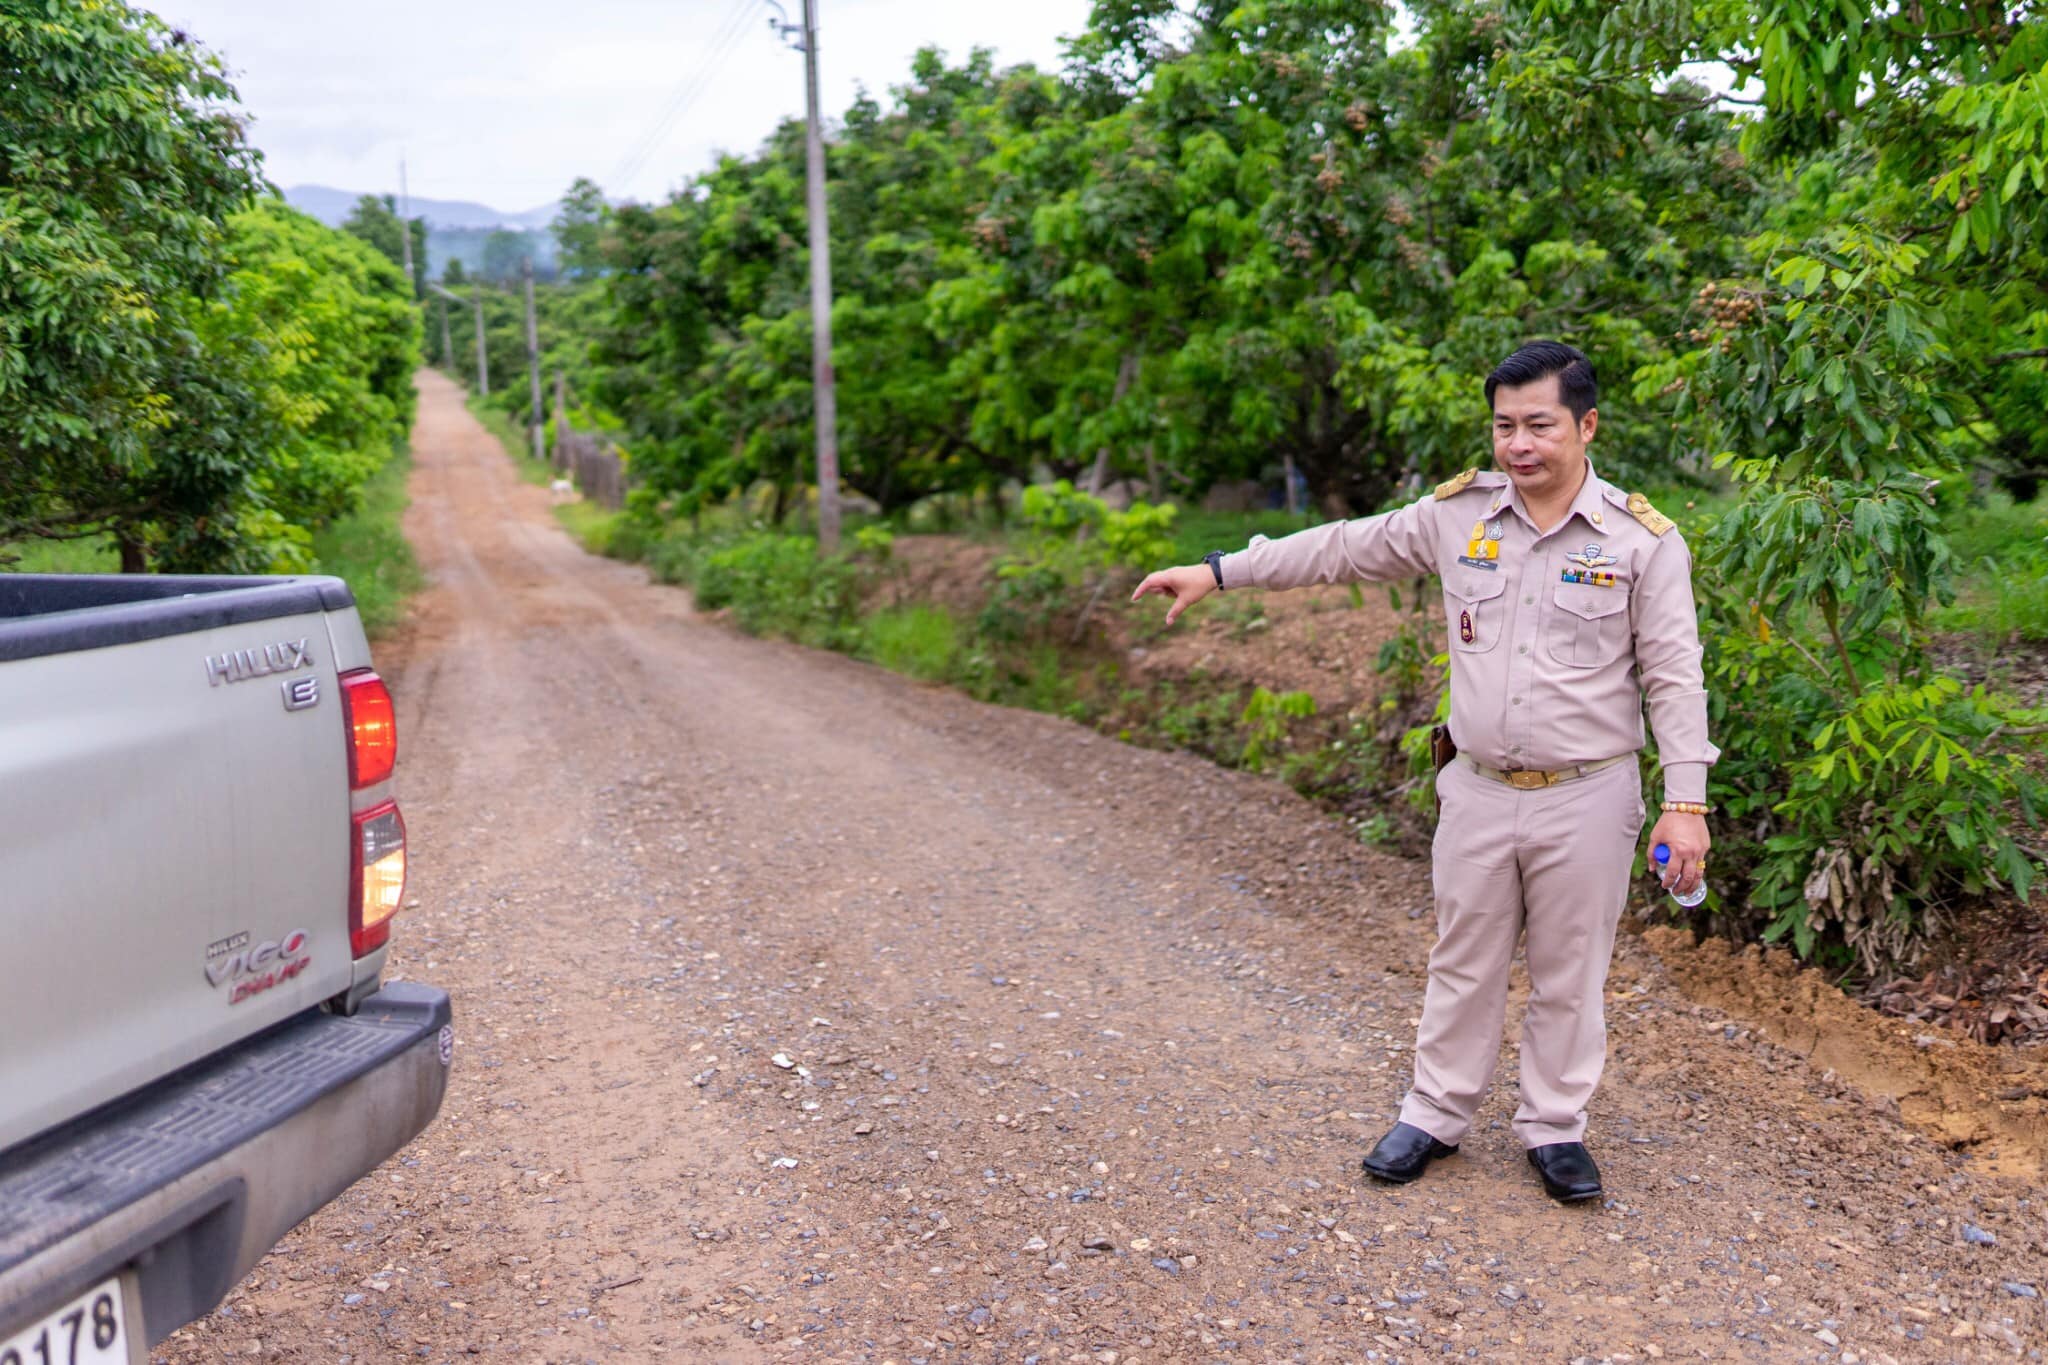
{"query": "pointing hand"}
(1186, 585)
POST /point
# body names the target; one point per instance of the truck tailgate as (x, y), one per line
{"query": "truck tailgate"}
(174, 823)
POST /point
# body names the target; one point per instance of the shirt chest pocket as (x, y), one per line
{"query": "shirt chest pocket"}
(1588, 624)
(1475, 609)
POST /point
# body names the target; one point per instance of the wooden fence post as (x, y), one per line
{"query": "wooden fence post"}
(561, 420)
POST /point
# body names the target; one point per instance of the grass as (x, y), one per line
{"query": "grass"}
(517, 443)
(922, 641)
(369, 551)
(597, 529)
(2001, 549)
(92, 555)
(1196, 532)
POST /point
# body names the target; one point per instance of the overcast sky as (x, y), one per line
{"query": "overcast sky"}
(506, 102)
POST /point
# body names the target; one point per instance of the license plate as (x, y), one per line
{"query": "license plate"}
(90, 1330)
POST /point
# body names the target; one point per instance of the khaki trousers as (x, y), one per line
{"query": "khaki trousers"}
(1556, 862)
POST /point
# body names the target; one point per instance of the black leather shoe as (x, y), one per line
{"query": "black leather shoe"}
(1403, 1154)
(1569, 1175)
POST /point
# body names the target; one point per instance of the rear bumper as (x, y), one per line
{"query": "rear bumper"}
(189, 1181)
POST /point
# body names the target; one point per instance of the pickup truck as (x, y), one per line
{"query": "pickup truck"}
(200, 857)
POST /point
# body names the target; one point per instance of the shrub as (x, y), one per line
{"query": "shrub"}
(779, 585)
(1860, 824)
(1074, 547)
(1268, 718)
(874, 542)
(921, 641)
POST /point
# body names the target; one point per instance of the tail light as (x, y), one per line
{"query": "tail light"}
(372, 728)
(376, 875)
(377, 835)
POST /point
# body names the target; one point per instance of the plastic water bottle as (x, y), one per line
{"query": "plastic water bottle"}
(1662, 853)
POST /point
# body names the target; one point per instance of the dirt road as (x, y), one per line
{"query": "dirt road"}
(806, 1013)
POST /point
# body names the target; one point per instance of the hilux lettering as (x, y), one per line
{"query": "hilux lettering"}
(240, 665)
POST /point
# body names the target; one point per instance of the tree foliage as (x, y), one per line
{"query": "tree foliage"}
(195, 372)
(1877, 336)
(1232, 234)
(375, 219)
(121, 164)
(579, 228)
(337, 344)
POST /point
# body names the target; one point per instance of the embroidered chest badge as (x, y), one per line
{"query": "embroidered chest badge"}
(1590, 558)
(1482, 548)
(1465, 631)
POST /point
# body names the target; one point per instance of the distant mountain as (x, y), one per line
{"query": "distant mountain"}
(331, 206)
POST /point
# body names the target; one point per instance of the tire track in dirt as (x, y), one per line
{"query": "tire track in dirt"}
(807, 1013)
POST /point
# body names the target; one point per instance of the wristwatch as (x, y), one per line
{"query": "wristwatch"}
(1214, 559)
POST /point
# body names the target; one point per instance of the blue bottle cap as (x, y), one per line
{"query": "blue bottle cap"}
(1662, 853)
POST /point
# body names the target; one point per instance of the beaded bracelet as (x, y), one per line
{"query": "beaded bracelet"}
(1688, 807)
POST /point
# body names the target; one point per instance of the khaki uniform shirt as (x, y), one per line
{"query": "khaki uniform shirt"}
(1555, 637)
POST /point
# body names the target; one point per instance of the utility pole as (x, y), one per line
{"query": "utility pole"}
(826, 402)
(405, 233)
(533, 425)
(483, 358)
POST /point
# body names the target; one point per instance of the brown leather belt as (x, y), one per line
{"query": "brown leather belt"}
(1535, 779)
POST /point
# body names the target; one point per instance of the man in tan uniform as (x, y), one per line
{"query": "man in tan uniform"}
(1567, 602)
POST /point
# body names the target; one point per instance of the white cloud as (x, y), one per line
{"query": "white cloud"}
(507, 102)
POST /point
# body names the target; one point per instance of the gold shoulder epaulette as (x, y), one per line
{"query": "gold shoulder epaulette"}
(1655, 522)
(1454, 486)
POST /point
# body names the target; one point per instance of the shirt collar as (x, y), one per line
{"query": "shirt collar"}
(1591, 503)
(1589, 506)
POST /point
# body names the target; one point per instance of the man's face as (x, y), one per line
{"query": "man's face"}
(1536, 442)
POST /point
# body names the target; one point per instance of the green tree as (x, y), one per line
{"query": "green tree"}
(504, 252)
(1867, 343)
(375, 219)
(579, 228)
(123, 161)
(337, 343)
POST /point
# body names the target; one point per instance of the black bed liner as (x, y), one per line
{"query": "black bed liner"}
(60, 613)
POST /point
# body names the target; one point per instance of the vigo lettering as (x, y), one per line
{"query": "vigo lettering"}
(269, 958)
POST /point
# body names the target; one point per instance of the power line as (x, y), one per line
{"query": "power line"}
(689, 90)
(687, 97)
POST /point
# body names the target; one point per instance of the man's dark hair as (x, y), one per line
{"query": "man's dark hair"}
(1575, 382)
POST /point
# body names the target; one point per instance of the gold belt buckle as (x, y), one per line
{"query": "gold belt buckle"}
(1528, 779)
